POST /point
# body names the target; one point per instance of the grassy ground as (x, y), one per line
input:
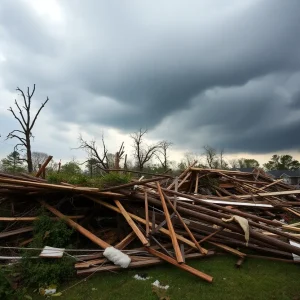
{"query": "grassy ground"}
(256, 279)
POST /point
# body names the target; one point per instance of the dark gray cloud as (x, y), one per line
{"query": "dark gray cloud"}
(225, 74)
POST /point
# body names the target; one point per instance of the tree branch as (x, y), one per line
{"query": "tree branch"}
(21, 113)
(11, 110)
(23, 96)
(38, 112)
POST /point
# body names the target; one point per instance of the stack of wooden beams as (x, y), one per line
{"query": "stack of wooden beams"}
(155, 221)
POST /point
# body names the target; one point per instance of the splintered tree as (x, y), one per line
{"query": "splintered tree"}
(142, 152)
(104, 160)
(26, 122)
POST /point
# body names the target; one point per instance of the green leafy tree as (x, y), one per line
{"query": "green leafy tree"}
(71, 167)
(13, 163)
(282, 162)
(248, 163)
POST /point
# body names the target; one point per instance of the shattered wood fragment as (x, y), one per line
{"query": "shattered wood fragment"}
(170, 226)
(131, 223)
(181, 266)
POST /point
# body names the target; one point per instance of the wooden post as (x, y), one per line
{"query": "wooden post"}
(186, 227)
(126, 241)
(170, 226)
(143, 221)
(196, 185)
(181, 266)
(131, 223)
(146, 214)
(44, 165)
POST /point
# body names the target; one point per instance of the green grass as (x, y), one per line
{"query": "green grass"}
(256, 279)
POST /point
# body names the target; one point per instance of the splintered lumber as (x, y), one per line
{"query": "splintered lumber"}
(76, 226)
(142, 182)
(60, 187)
(126, 241)
(143, 221)
(131, 223)
(214, 220)
(206, 238)
(221, 208)
(181, 266)
(183, 174)
(186, 228)
(170, 226)
(268, 185)
(16, 231)
(43, 167)
(147, 214)
(29, 219)
(136, 264)
(291, 192)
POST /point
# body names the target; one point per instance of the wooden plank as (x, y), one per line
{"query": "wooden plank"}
(131, 223)
(161, 246)
(126, 241)
(30, 219)
(76, 226)
(186, 227)
(135, 264)
(126, 185)
(153, 222)
(182, 175)
(291, 192)
(147, 213)
(170, 226)
(196, 184)
(268, 185)
(181, 266)
(16, 231)
(60, 187)
(163, 223)
(184, 180)
(143, 221)
(296, 213)
(43, 167)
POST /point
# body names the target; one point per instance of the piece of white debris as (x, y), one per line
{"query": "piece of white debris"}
(138, 277)
(117, 257)
(157, 284)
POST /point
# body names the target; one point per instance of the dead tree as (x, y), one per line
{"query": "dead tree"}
(143, 153)
(104, 160)
(101, 160)
(210, 156)
(24, 134)
(162, 154)
(119, 156)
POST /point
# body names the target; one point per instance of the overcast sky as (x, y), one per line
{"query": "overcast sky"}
(224, 73)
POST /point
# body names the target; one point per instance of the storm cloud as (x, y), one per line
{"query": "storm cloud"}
(223, 73)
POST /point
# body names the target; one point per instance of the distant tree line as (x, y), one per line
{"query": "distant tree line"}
(152, 157)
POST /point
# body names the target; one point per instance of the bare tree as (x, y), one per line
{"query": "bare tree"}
(142, 152)
(24, 134)
(210, 156)
(101, 160)
(162, 154)
(37, 159)
(104, 161)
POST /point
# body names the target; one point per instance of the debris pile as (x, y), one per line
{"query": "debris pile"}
(146, 222)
